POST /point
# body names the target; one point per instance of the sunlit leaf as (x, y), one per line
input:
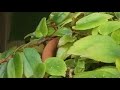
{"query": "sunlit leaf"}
(95, 31)
(65, 39)
(91, 21)
(109, 27)
(70, 18)
(63, 31)
(50, 31)
(97, 47)
(55, 66)
(104, 72)
(11, 69)
(117, 14)
(116, 36)
(62, 51)
(55, 77)
(80, 67)
(42, 29)
(32, 60)
(18, 64)
(118, 64)
(59, 17)
(40, 71)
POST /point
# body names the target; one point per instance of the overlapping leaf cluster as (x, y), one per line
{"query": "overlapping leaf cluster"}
(89, 47)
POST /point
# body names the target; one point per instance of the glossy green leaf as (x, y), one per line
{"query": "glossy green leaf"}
(80, 67)
(59, 17)
(62, 51)
(63, 31)
(11, 69)
(3, 68)
(97, 47)
(18, 64)
(55, 66)
(65, 39)
(116, 36)
(91, 21)
(118, 64)
(109, 27)
(42, 29)
(104, 72)
(40, 71)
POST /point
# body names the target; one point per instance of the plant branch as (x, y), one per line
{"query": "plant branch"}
(6, 59)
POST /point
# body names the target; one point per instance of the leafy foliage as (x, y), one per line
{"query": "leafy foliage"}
(88, 47)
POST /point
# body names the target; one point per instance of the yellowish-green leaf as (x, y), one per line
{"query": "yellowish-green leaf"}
(116, 36)
(11, 69)
(42, 29)
(66, 39)
(104, 72)
(118, 64)
(91, 21)
(55, 66)
(18, 64)
(40, 71)
(109, 27)
(62, 51)
(96, 47)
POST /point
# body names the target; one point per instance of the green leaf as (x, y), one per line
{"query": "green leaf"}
(97, 47)
(3, 68)
(50, 31)
(65, 39)
(116, 36)
(42, 29)
(55, 77)
(109, 27)
(40, 71)
(59, 17)
(70, 18)
(18, 64)
(80, 67)
(71, 63)
(118, 64)
(63, 31)
(32, 60)
(28, 71)
(62, 51)
(55, 66)
(15, 66)
(11, 69)
(117, 14)
(91, 21)
(104, 72)
(95, 31)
